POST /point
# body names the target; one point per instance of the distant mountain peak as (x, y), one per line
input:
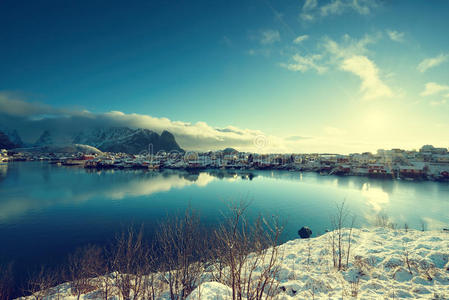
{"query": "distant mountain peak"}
(124, 139)
(10, 139)
(45, 139)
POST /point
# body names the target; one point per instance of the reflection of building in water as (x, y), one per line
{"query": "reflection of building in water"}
(343, 182)
(231, 174)
(3, 170)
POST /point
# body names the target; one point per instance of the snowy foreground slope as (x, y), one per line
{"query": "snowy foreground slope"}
(378, 268)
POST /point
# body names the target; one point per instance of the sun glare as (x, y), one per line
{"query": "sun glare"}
(375, 121)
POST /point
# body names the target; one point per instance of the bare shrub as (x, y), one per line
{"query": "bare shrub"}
(309, 253)
(426, 268)
(83, 265)
(129, 263)
(407, 261)
(6, 281)
(153, 286)
(250, 254)
(216, 265)
(338, 249)
(354, 287)
(364, 265)
(423, 225)
(240, 254)
(40, 283)
(183, 246)
(383, 221)
(104, 280)
(312, 289)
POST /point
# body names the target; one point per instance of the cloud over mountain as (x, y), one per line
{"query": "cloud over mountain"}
(31, 119)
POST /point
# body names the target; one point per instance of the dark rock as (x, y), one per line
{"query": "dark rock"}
(230, 151)
(305, 232)
(5, 142)
(9, 139)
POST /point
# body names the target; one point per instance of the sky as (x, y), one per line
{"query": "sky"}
(336, 76)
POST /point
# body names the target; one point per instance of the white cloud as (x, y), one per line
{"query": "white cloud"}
(432, 62)
(349, 46)
(351, 55)
(311, 9)
(270, 37)
(308, 7)
(372, 86)
(335, 7)
(305, 63)
(306, 17)
(309, 4)
(396, 35)
(300, 39)
(348, 55)
(433, 88)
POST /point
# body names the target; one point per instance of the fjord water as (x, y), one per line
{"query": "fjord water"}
(47, 211)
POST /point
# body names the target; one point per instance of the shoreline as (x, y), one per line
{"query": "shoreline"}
(324, 172)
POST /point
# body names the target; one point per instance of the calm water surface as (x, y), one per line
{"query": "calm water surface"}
(47, 211)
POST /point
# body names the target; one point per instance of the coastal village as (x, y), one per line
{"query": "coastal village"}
(427, 163)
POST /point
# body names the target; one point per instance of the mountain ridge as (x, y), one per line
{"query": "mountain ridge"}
(106, 139)
(127, 140)
(10, 139)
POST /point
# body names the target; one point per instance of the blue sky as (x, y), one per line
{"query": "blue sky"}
(344, 75)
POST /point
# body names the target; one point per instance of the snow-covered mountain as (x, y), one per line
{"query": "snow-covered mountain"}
(45, 139)
(10, 139)
(110, 139)
(124, 139)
